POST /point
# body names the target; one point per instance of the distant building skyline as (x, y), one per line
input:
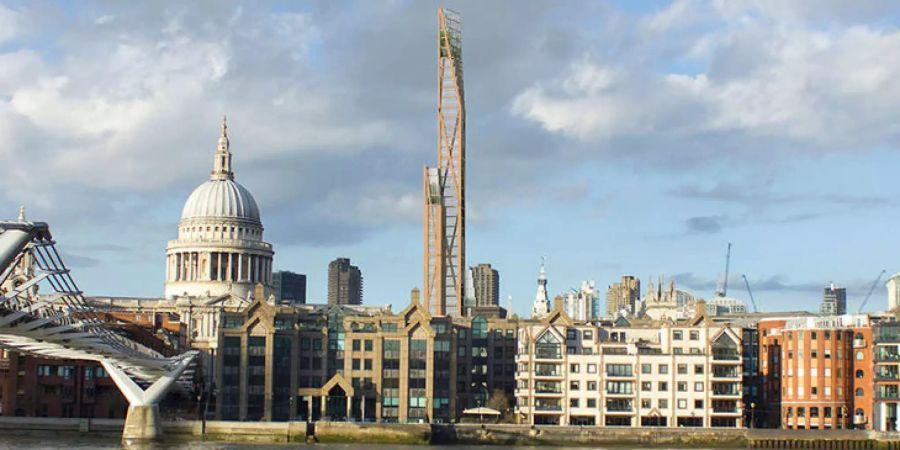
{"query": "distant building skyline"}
(623, 295)
(289, 287)
(486, 282)
(834, 300)
(345, 283)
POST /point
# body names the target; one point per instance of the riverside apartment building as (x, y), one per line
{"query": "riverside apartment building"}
(661, 373)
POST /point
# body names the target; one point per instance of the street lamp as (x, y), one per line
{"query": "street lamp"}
(752, 413)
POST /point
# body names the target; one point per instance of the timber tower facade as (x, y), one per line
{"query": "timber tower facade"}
(444, 185)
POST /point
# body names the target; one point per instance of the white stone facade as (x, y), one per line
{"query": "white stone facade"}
(668, 375)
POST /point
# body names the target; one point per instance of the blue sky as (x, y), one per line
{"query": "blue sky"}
(609, 137)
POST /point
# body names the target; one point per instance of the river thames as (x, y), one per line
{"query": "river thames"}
(101, 443)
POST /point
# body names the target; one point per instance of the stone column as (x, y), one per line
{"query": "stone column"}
(240, 267)
(309, 401)
(324, 403)
(362, 409)
(882, 420)
(349, 406)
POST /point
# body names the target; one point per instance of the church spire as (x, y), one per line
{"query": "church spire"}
(222, 161)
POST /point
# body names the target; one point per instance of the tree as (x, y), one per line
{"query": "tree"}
(501, 402)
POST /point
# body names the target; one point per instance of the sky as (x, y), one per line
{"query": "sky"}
(610, 138)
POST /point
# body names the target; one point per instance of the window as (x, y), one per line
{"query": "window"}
(859, 356)
(646, 368)
(860, 374)
(677, 335)
(587, 334)
(573, 403)
(663, 369)
(357, 345)
(682, 386)
(827, 391)
(645, 403)
(592, 385)
(367, 364)
(662, 386)
(812, 335)
(355, 364)
(860, 392)
(573, 368)
(682, 369)
(646, 386)
(573, 386)
(814, 391)
(682, 403)
(698, 369)
(618, 370)
(663, 403)
(591, 368)
(571, 334)
(698, 404)
(814, 410)
(695, 335)
(592, 403)
(368, 346)
(698, 386)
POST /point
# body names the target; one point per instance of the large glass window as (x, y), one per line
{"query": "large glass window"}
(548, 347)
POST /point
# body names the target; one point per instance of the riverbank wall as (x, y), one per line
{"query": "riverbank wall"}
(472, 434)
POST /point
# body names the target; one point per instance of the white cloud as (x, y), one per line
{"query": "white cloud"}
(818, 90)
(9, 24)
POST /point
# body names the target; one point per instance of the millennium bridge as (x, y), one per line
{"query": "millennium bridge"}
(57, 322)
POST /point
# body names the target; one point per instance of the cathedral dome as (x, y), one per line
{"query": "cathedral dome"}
(221, 196)
(221, 199)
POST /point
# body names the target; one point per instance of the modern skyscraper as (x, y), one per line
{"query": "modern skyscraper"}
(623, 295)
(487, 285)
(345, 283)
(444, 185)
(834, 301)
(289, 287)
(893, 288)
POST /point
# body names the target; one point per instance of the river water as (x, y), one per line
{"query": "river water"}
(100, 443)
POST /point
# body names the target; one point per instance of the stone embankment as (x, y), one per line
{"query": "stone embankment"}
(473, 434)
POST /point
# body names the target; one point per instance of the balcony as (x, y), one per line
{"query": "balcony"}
(619, 410)
(726, 355)
(548, 408)
(887, 373)
(725, 390)
(725, 410)
(726, 372)
(885, 354)
(618, 393)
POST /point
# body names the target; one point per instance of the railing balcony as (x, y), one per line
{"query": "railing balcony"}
(887, 374)
(726, 355)
(726, 374)
(548, 391)
(725, 410)
(887, 356)
(548, 408)
(619, 409)
(726, 391)
(887, 395)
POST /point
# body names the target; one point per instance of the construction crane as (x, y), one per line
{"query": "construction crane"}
(871, 289)
(750, 292)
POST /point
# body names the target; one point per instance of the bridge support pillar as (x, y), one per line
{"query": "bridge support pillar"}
(143, 422)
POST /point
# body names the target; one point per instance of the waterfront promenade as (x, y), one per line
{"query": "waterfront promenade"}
(467, 434)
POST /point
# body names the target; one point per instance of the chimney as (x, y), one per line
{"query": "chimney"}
(414, 296)
(699, 308)
(559, 303)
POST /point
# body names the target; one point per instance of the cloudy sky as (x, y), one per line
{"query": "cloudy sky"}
(611, 138)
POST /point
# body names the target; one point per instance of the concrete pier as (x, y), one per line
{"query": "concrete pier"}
(142, 424)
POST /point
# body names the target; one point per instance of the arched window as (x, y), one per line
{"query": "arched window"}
(859, 356)
(860, 412)
(859, 393)
(860, 373)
